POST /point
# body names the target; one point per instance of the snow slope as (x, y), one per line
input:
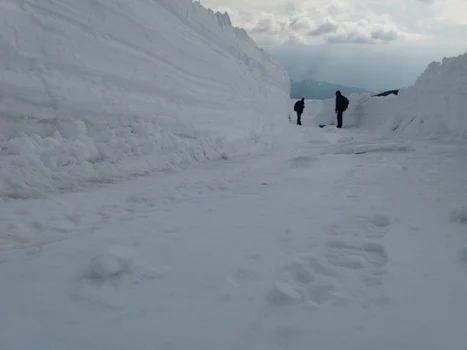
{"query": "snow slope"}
(95, 90)
(434, 106)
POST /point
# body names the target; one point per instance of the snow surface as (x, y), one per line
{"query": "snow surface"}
(303, 247)
(91, 91)
(433, 107)
(287, 238)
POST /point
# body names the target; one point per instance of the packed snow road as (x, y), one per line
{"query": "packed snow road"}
(336, 240)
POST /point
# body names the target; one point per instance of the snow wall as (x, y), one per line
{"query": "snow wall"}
(435, 106)
(103, 89)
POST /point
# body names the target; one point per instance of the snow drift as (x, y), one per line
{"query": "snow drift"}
(434, 106)
(94, 90)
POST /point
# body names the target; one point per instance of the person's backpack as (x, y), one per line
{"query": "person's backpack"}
(295, 107)
(346, 103)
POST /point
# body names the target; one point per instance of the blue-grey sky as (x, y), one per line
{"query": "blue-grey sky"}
(374, 44)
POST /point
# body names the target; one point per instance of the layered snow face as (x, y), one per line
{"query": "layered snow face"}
(434, 106)
(92, 91)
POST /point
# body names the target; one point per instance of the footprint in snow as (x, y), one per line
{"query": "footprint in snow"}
(320, 293)
(313, 280)
(379, 220)
(242, 274)
(356, 256)
(318, 268)
(370, 226)
(300, 272)
(301, 162)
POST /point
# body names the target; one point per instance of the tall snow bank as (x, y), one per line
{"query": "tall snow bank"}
(96, 90)
(434, 106)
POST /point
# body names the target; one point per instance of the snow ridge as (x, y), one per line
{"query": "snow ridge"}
(94, 91)
(434, 106)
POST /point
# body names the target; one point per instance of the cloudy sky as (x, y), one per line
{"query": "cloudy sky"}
(375, 44)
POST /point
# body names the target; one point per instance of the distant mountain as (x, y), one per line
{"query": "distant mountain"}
(312, 89)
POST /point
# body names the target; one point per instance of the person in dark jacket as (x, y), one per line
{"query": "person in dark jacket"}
(299, 107)
(341, 105)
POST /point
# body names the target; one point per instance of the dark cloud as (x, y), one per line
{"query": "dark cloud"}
(354, 38)
(300, 23)
(383, 35)
(324, 28)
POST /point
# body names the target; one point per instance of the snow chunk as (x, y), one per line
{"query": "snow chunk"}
(112, 262)
(283, 294)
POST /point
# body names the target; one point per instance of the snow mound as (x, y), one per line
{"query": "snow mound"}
(96, 91)
(433, 106)
(114, 261)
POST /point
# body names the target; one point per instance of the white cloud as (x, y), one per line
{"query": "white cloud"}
(344, 20)
(270, 23)
(349, 41)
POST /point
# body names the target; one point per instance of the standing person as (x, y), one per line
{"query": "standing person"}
(299, 107)
(341, 105)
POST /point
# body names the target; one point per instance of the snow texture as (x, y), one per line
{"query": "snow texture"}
(460, 214)
(463, 254)
(323, 238)
(361, 148)
(99, 90)
(301, 247)
(283, 294)
(433, 107)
